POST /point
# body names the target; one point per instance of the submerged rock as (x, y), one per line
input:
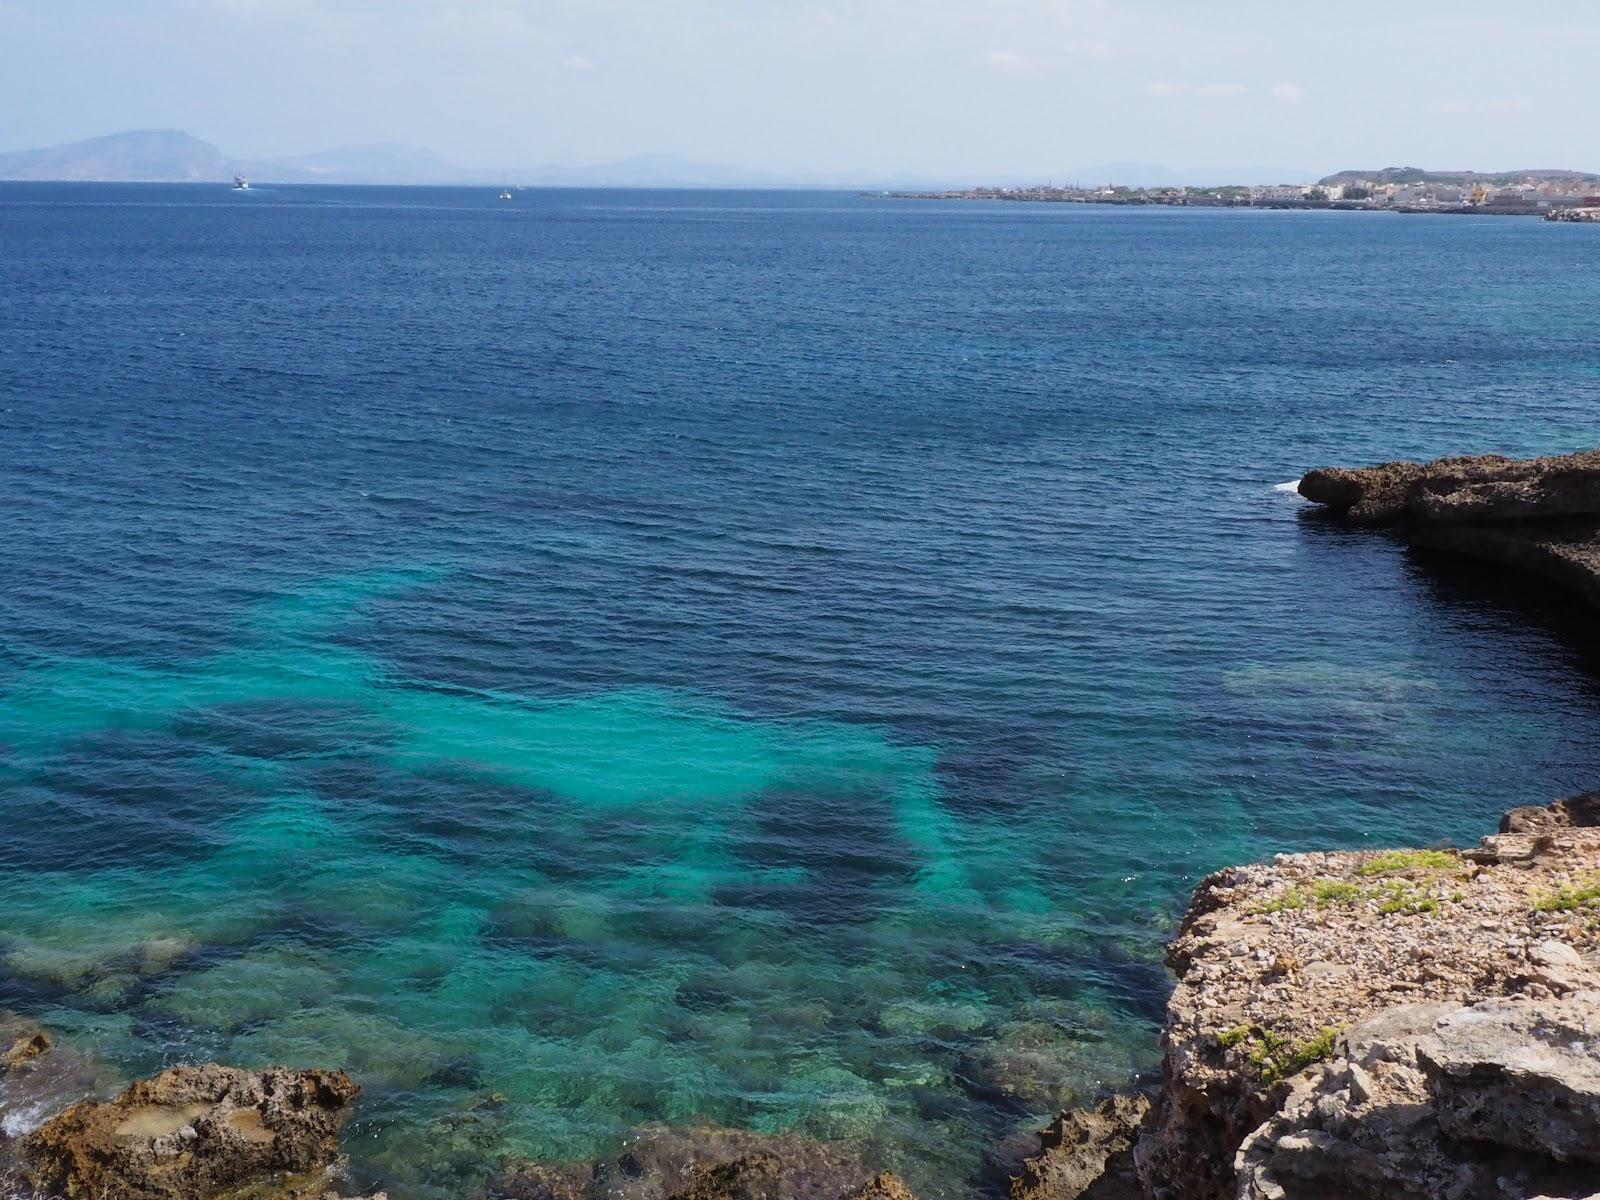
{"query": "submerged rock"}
(192, 1132)
(699, 1163)
(1538, 515)
(1031, 1065)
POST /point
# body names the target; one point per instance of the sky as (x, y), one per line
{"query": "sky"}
(976, 90)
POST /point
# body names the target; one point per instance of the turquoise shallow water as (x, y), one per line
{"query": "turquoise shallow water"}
(773, 659)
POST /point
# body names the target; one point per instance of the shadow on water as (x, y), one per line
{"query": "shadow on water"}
(1462, 586)
(1502, 628)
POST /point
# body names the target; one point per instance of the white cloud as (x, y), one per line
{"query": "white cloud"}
(1167, 88)
(1485, 106)
(483, 21)
(577, 62)
(1288, 92)
(1005, 60)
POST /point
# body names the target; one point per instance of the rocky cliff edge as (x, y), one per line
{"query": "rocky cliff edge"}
(1412, 1024)
(1537, 515)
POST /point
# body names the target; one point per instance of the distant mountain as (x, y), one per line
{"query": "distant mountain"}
(156, 155)
(1401, 175)
(171, 156)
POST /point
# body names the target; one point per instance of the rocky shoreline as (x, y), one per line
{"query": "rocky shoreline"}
(1406, 1023)
(1539, 516)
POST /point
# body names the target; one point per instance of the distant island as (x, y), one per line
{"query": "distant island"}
(1554, 194)
(173, 156)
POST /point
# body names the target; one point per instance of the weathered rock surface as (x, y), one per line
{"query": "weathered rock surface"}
(1486, 487)
(38, 1078)
(1539, 515)
(703, 1163)
(1521, 1074)
(192, 1132)
(1087, 1154)
(25, 1047)
(885, 1185)
(1272, 961)
(1580, 812)
(1372, 1123)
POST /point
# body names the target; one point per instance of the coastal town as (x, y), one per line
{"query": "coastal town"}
(1554, 195)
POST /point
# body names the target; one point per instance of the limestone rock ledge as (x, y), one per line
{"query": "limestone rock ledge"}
(1539, 515)
(1359, 1026)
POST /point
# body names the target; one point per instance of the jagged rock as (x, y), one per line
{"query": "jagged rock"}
(546, 1181)
(1086, 1153)
(192, 1132)
(759, 1176)
(1574, 812)
(1520, 1074)
(1538, 515)
(885, 1185)
(1469, 488)
(754, 1177)
(38, 1079)
(1271, 960)
(24, 1049)
(663, 1163)
(1370, 1124)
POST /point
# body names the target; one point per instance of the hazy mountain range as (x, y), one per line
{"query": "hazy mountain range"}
(172, 156)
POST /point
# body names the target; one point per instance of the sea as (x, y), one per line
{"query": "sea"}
(778, 660)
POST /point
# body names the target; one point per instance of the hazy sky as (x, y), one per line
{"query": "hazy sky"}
(966, 88)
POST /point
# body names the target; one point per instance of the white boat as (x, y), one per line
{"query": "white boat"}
(505, 193)
(241, 184)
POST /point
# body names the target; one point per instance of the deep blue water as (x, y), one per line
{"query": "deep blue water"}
(778, 659)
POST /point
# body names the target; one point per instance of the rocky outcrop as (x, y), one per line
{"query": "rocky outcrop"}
(1384, 1119)
(1348, 1024)
(704, 1163)
(1087, 1154)
(1486, 487)
(1520, 1073)
(1538, 515)
(25, 1047)
(38, 1078)
(1575, 812)
(193, 1132)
